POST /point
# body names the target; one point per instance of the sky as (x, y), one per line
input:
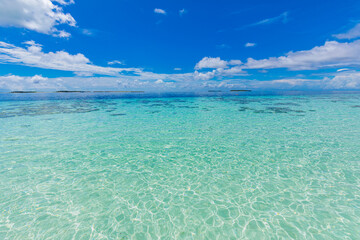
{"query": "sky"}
(179, 45)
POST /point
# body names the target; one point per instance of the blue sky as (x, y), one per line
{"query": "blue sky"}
(179, 45)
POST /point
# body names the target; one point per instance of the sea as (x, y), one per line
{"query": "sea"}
(241, 165)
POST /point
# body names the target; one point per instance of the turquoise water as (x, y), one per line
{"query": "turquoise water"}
(222, 167)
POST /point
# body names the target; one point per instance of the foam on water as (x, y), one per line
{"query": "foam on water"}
(255, 167)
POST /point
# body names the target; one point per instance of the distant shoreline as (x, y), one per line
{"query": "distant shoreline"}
(65, 91)
(83, 91)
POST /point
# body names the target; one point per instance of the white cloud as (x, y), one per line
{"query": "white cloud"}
(33, 56)
(115, 62)
(209, 62)
(159, 81)
(160, 11)
(62, 34)
(221, 68)
(343, 80)
(351, 34)
(30, 43)
(37, 82)
(204, 76)
(87, 32)
(291, 83)
(234, 71)
(349, 80)
(149, 82)
(286, 83)
(331, 54)
(280, 18)
(234, 62)
(177, 69)
(38, 15)
(249, 44)
(64, 2)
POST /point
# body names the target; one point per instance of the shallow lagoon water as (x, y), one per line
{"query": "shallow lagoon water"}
(220, 167)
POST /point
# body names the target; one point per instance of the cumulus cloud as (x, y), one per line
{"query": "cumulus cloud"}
(37, 82)
(220, 68)
(205, 75)
(33, 56)
(160, 82)
(42, 16)
(349, 80)
(343, 80)
(331, 54)
(233, 71)
(351, 34)
(249, 44)
(210, 72)
(160, 11)
(217, 62)
(209, 62)
(340, 81)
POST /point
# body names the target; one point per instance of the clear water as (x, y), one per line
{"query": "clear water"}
(226, 167)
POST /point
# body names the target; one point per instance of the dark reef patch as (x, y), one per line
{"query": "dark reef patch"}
(283, 110)
(287, 104)
(118, 114)
(154, 111)
(47, 109)
(243, 109)
(271, 110)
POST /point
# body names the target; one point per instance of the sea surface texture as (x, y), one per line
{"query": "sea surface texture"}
(214, 167)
